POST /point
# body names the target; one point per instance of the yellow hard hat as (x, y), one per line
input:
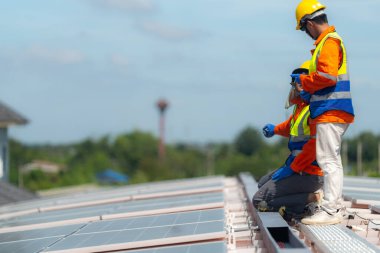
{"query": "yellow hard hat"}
(303, 69)
(307, 7)
(293, 94)
(305, 65)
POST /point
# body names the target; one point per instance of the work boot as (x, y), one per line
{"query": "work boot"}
(311, 209)
(322, 217)
(314, 201)
(315, 197)
(263, 206)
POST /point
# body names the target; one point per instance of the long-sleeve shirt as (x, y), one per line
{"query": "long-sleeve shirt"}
(303, 161)
(329, 61)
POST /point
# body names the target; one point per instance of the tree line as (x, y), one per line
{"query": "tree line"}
(136, 155)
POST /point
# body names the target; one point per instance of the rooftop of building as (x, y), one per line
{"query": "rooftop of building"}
(208, 214)
(9, 116)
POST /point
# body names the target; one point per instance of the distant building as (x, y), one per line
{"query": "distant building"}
(7, 117)
(45, 166)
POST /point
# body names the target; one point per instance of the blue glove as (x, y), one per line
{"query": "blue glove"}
(296, 78)
(305, 96)
(282, 173)
(268, 130)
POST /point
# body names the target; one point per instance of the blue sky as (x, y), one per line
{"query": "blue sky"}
(87, 68)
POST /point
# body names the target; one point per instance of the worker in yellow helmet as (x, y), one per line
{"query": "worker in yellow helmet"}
(296, 185)
(327, 87)
(294, 95)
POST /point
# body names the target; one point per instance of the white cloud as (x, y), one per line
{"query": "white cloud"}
(62, 56)
(166, 31)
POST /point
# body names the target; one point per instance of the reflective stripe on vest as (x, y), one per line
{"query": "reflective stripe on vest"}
(300, 127)
(296, 152)
(299, 132)
(337, 97)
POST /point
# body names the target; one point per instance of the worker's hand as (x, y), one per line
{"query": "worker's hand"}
(295, 78)
(283, 172)
(305, 96)
(297, 82)
(268, 130)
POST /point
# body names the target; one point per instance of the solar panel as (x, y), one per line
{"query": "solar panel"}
(54, 216)
(362, 195)
(121, 231)
(38, 233)
(28, 246)
(196, 199)
(131, 206)
(140, 237)
(154, 221)
(363, 180)
(354, 185)
(212, 247)
(42, 225)
(136, 190)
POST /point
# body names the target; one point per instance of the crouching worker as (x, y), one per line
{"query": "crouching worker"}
(294, 188)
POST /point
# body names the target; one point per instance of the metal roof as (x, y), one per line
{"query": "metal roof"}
(9, 116)
(10, 194)
(209, 214)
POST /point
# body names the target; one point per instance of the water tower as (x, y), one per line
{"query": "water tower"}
(162, 105)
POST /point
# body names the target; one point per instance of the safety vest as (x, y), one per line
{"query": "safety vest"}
(299, 136)
(337, 97)
(299, 130)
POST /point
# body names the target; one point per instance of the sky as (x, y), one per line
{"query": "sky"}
(82, 69)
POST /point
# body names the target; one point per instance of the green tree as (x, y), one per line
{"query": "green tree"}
(249, 141)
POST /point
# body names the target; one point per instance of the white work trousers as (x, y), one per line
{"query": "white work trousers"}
(329, 140)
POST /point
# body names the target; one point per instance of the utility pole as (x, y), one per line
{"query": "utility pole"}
(210, 166)
(345, 155)
(20, 178)
(359, 158)
(378, 158)
(162, 106)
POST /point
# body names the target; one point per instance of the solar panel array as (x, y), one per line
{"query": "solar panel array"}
(194, 248)
(129, 206)
(184, 212)
(362, 190)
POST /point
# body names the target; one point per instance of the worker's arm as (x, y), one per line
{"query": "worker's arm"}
(305, 158)
(327, 68)
(308, 154)
(283, 128)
